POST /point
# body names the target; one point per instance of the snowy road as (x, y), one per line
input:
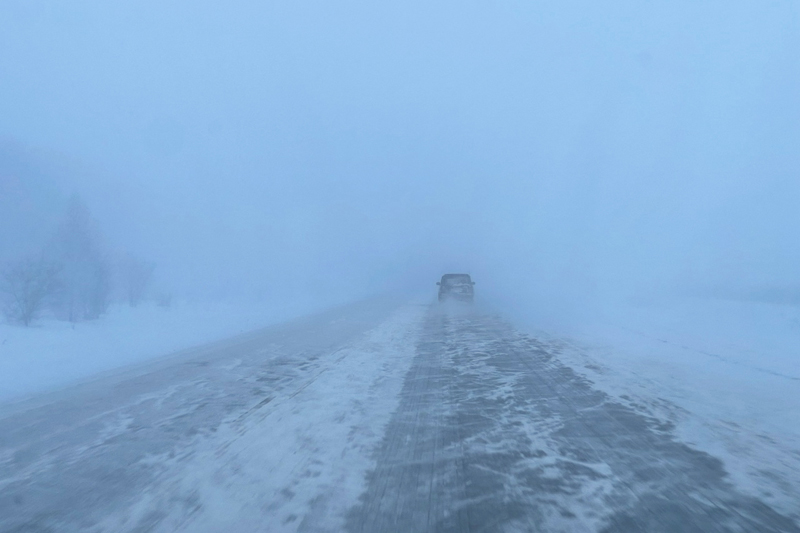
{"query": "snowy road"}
(372, 418)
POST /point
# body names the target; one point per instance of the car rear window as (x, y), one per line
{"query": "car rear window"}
(456, 280)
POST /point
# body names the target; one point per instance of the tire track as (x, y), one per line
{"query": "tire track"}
(494, 433)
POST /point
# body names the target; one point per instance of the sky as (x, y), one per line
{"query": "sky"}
(558, 151)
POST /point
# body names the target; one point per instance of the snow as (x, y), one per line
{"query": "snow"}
(727, 373)
(54, 353)
(299, 460)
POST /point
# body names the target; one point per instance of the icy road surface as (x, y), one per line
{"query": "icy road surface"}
(368, 419)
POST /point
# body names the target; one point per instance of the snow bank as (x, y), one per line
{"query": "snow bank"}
(737, 359)
(54, 353)
(726, 372)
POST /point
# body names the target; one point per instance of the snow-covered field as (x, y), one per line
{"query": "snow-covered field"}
(726, 372)
(53, 353)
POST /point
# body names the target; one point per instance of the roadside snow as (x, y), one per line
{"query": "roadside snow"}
(54, 353)
(727, 373)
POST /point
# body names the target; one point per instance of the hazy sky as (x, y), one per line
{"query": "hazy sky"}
(568, 147)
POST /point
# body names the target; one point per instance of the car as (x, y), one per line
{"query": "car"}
(456, 287)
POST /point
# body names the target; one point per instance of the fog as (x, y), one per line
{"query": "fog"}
(221, 230)
(563, 153)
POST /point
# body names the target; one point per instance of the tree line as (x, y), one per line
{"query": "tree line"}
(74, 277)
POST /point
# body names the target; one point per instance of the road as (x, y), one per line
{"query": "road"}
(370, 418)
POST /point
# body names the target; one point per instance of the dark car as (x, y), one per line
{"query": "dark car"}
(456, 287)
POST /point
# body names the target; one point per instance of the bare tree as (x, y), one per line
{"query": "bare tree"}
(28, 286)
(135, 277)
(78, 246)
